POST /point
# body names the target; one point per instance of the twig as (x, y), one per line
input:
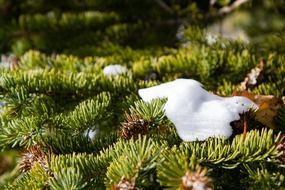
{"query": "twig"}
(228, 9)
(253, 77)
(164, 6)
(245, 127)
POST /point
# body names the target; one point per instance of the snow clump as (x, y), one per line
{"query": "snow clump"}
(113, 70)
(196, 113)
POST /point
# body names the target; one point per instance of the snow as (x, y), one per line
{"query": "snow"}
(211, 38)
(91, 134)
(113, 70)
(2, 104)
(5, 61)
(196, 113)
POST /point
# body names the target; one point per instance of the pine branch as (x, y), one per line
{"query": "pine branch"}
(152, 111)
(21, 132)
(34, 179)
(67, 21)
(258, 147)
(142, 155)
(67, 178)
(92, 168)
(62, 142)
(264, 177)
(88, 112)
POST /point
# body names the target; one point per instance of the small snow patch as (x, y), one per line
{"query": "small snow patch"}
(113, 70)
(211, 38)
(91, 134)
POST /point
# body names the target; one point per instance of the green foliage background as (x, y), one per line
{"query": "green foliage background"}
(55, 92)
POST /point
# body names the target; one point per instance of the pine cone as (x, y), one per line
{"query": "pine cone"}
(133, 126)
(196, 180)
(31, 156)
(125, 184)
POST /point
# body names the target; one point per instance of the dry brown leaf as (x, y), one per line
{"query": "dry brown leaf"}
(252, 77)
(268, 106)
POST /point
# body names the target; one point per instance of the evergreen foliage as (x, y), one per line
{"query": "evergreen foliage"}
(66, 125)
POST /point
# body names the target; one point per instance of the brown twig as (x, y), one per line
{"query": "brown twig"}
(164, 6)
(245, 127)
(253, 77)
(233, 6)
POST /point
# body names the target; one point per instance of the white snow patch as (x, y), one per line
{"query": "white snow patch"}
(91, 134)
(113, 70)
(196, 113)
(211, 38)
(5, 61)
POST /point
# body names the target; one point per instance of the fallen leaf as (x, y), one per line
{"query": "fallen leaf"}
(268, 106)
